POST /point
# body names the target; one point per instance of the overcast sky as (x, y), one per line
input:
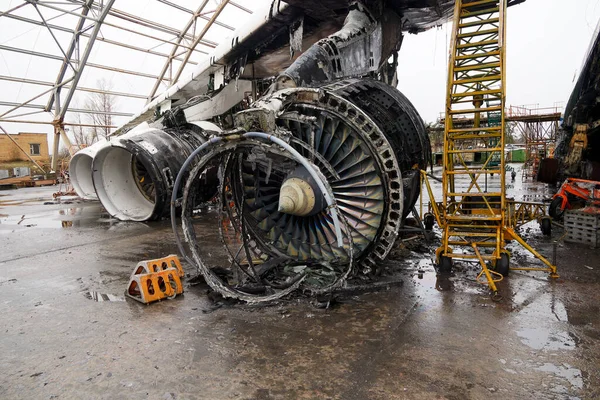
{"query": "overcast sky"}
(546, 44)
(547, 41)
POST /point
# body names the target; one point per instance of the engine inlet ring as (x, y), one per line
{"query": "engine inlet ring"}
(334, 99)
(212, 279)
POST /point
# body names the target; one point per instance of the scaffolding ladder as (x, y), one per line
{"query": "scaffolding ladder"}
(473, 219)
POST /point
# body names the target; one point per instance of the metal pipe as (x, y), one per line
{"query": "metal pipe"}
(92, 37)
(72, 46)
(151, 24)
(197, 40)
(4, 13)
(249, 11)
(23, 104)
(56, 146)
(52, 123)
(176, 6)
(27, 114)
(87, 35)
(83, 60)
(83, 89)
(142, 50)
(173, 51)
(79, 110)
(91, 65)
(187, 10)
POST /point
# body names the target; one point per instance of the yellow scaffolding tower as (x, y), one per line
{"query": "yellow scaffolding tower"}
(472, 218)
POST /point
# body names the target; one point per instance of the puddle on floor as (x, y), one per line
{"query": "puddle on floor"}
(542, 338)
(102, 297)
(542, 324)
(426, 278)
(566, 372)
(63, 218)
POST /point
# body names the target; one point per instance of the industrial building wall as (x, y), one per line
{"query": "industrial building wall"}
(32, 143)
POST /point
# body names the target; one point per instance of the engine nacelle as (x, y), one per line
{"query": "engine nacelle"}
(133, 174)
(80, 170)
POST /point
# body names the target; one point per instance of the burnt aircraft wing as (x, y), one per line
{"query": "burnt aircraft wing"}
(261, 48)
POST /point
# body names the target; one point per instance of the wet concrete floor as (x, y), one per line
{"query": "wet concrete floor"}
(67, 332)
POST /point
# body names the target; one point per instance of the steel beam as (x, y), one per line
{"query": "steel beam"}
(72, 46)
(84, 58)
(174, 50)
(198, 38)
(67, 57)
(37, 96)
(7, 12)
(113, 42)
(241, 7)
(17, 121)
(154, 25)
(187, 10)
(82, 89)
(63, 109)
(91, 65)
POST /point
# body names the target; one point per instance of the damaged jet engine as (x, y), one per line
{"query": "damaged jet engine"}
(312, 181)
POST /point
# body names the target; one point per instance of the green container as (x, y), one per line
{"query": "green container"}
(517, 155)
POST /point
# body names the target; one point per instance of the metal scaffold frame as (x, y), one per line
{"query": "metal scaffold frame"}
(539, 127)
(477, 223)
(91, 16)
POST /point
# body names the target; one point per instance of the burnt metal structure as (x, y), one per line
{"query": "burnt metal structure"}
(325, 191)
(335, 139)
(316, 176)
(365, 43)
(366, 139)
(579, 143)
(316, 154)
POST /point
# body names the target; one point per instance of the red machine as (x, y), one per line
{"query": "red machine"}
(575, 193)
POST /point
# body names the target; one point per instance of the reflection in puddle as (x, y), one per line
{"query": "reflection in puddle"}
(444, 283)
(565, 371)
(63, 218)
(100, 297)
(544, 324)
(426, 279)
(542, 338)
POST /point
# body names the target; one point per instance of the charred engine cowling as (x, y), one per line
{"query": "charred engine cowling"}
(317, 176)
(363, 45)
(367, 140)
(134, 174)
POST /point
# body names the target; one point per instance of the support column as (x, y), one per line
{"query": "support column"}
(57, 128)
